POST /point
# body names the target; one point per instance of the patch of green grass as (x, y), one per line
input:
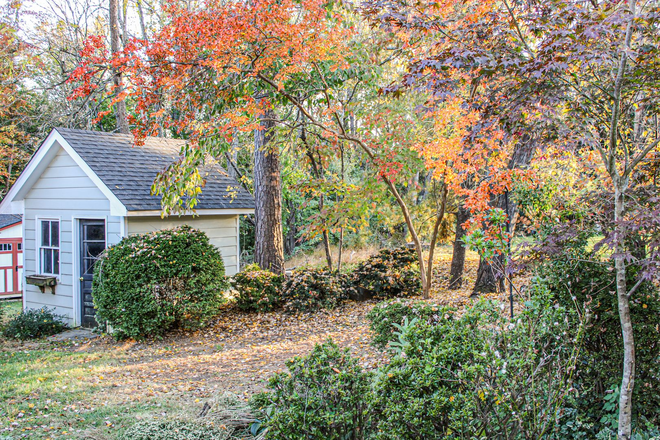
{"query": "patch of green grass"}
(57, 394)
(11, 308)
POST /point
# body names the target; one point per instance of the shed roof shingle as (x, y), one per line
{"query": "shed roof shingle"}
(129, 171)
(9, 219)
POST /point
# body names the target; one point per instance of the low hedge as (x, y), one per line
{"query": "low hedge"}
(257, 290)
(34, 324)
(307, 290)
(391, 273)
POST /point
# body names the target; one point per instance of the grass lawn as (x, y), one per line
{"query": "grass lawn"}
(11, 308)
(96, 389)
(54, 391)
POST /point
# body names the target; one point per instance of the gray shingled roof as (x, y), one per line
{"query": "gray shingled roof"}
(130, 171)
(9, 219)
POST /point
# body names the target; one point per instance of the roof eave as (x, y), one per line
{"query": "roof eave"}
(197, 212)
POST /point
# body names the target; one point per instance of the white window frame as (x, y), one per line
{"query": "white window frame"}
(38, 238)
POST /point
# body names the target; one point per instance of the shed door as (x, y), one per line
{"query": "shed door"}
(11, 267)
(92, 243)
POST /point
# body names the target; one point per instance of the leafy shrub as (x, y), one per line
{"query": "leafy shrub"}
(390, 273)
(150, 283)
(173, 430)
(579, 278)
(258, 290)
(308, 290)
(479, 375)
(33, 324)
(388, 317)
(324, 395)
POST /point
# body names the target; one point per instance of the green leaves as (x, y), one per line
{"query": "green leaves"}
(34, 324)
(258, 290)
(390, 273)
(323, 395)
(150, 283)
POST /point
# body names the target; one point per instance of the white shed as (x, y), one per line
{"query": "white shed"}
(83, 191)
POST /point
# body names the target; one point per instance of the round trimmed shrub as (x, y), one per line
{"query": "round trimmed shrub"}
(258, 290)
(151, 283)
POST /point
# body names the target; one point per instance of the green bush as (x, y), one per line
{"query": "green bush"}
(324, 395)
(479, 375)
(150, 283)
(579, 278)
(307, 290)
(173, 430)
(258, 290)
(387, 317)
(33, 324)
(390, 273)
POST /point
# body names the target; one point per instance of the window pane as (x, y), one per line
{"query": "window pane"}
(45, 233)
(56, 262)
(88, 265)
(55, 234)
(95, 232)
(20, 246)
(46, 261)
(94, 249)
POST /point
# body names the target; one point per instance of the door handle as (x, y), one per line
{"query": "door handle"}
(82, 279)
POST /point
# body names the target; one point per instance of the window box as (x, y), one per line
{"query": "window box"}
(42, 281)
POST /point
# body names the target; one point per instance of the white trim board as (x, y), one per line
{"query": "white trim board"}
(198, 212)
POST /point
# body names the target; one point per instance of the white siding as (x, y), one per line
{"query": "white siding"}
(63, 192)
(12, 232)
(221, 229)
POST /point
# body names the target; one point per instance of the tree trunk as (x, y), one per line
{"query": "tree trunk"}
(269, 242)
(489, 279)
(434, 239)
(291, 228)
(326, 237)
(628, 379)
(458, 255)
(119, 106)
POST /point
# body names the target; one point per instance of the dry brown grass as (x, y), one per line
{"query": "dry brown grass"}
(316, 258)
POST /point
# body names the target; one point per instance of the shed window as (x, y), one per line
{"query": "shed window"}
(4, 247)
(50, 247)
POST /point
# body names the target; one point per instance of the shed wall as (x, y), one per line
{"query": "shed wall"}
(14, 231)
(221, 229)
(63, 192)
